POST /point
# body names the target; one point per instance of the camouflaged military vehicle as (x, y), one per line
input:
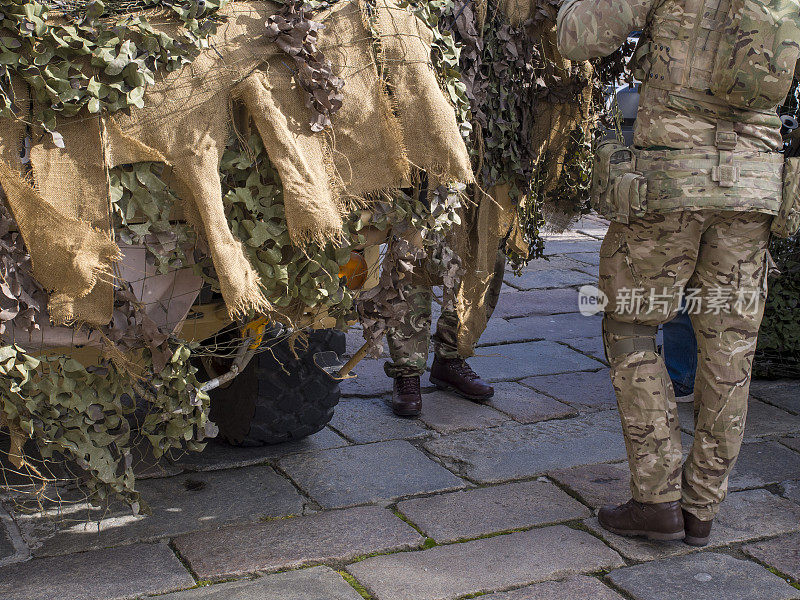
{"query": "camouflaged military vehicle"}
(201, 195)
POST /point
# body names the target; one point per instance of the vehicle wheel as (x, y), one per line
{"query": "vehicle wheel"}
(279, 397)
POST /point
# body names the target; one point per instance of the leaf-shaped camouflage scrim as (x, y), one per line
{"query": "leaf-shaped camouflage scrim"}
(296, 35)
(48, 45)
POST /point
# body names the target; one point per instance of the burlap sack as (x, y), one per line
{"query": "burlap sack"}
(186, 124)
(368, 148)
(430, 131)
(322, 174)
(74, 179)
(68, 254)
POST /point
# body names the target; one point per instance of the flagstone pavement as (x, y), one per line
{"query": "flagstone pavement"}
(496, 501)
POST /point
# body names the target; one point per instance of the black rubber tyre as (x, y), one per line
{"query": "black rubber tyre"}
(279, 397)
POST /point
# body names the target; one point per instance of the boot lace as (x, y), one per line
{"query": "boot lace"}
(463, 369)
(408, 385)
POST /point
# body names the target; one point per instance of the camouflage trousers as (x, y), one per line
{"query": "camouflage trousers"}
(717, 262)
(409, 344)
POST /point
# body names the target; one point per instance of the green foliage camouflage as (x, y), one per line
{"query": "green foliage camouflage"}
(295, 279)
(85, 414)
(49, 45)
(778, 351)
(144, 210)
(506, 78)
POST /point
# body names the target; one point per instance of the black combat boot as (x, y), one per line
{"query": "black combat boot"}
(697, 531)
(455, 374)
(658, 521)
(406, 396)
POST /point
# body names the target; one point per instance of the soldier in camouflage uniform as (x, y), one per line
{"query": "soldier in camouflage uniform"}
(408, 348)
(691, 207)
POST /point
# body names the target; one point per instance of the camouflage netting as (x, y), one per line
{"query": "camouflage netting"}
(112, 208)
(534, 117)
(778, 351)
(244, 169)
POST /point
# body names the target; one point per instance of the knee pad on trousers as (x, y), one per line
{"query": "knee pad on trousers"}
(634, 338)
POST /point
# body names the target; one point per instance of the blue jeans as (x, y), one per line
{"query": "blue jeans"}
(680, 353)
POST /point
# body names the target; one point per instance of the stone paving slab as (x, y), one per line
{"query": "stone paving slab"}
(147, 466)
(701, 577)
(523, 451)
(338, 535)
(528, 406)
(579, 587)
(781, 553)
(791, 442)
(7, 548)
(510, 362)
(743, 516)
(315, 583)
(448, 413)
(596, 485)
(500, 562)
(181, 504)
(551, 262)
(591, 258)
(476, 512)
(568, 246)
(784, 393)
(592, 346)
(554, 278)
(540, 327)
(764, 463)
(371, 381)
(763, 420)
(791, 491)
(502, 331)
(220, 455)
(369, 473)
(515, 303)
(582, 390)
(109, 574)
(366, 420)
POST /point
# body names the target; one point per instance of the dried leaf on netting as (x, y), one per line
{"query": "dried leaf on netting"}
(22, 299)
(296, 35)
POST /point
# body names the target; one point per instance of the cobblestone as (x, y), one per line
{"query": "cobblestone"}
(111, 574)
(339, 535)
(369, 473)
(522, 451)
(449, 572)
(472, 513)
(701, 577)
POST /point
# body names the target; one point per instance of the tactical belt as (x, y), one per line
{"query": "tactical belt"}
(715, 178)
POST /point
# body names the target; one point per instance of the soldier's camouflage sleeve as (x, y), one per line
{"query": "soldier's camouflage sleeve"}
(594, 28)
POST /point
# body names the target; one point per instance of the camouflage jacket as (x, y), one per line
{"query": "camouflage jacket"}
(680, 124)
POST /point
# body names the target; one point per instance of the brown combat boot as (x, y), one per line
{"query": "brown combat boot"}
(658, 521)
(697, 531)
(455, 374)
(406, 396)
